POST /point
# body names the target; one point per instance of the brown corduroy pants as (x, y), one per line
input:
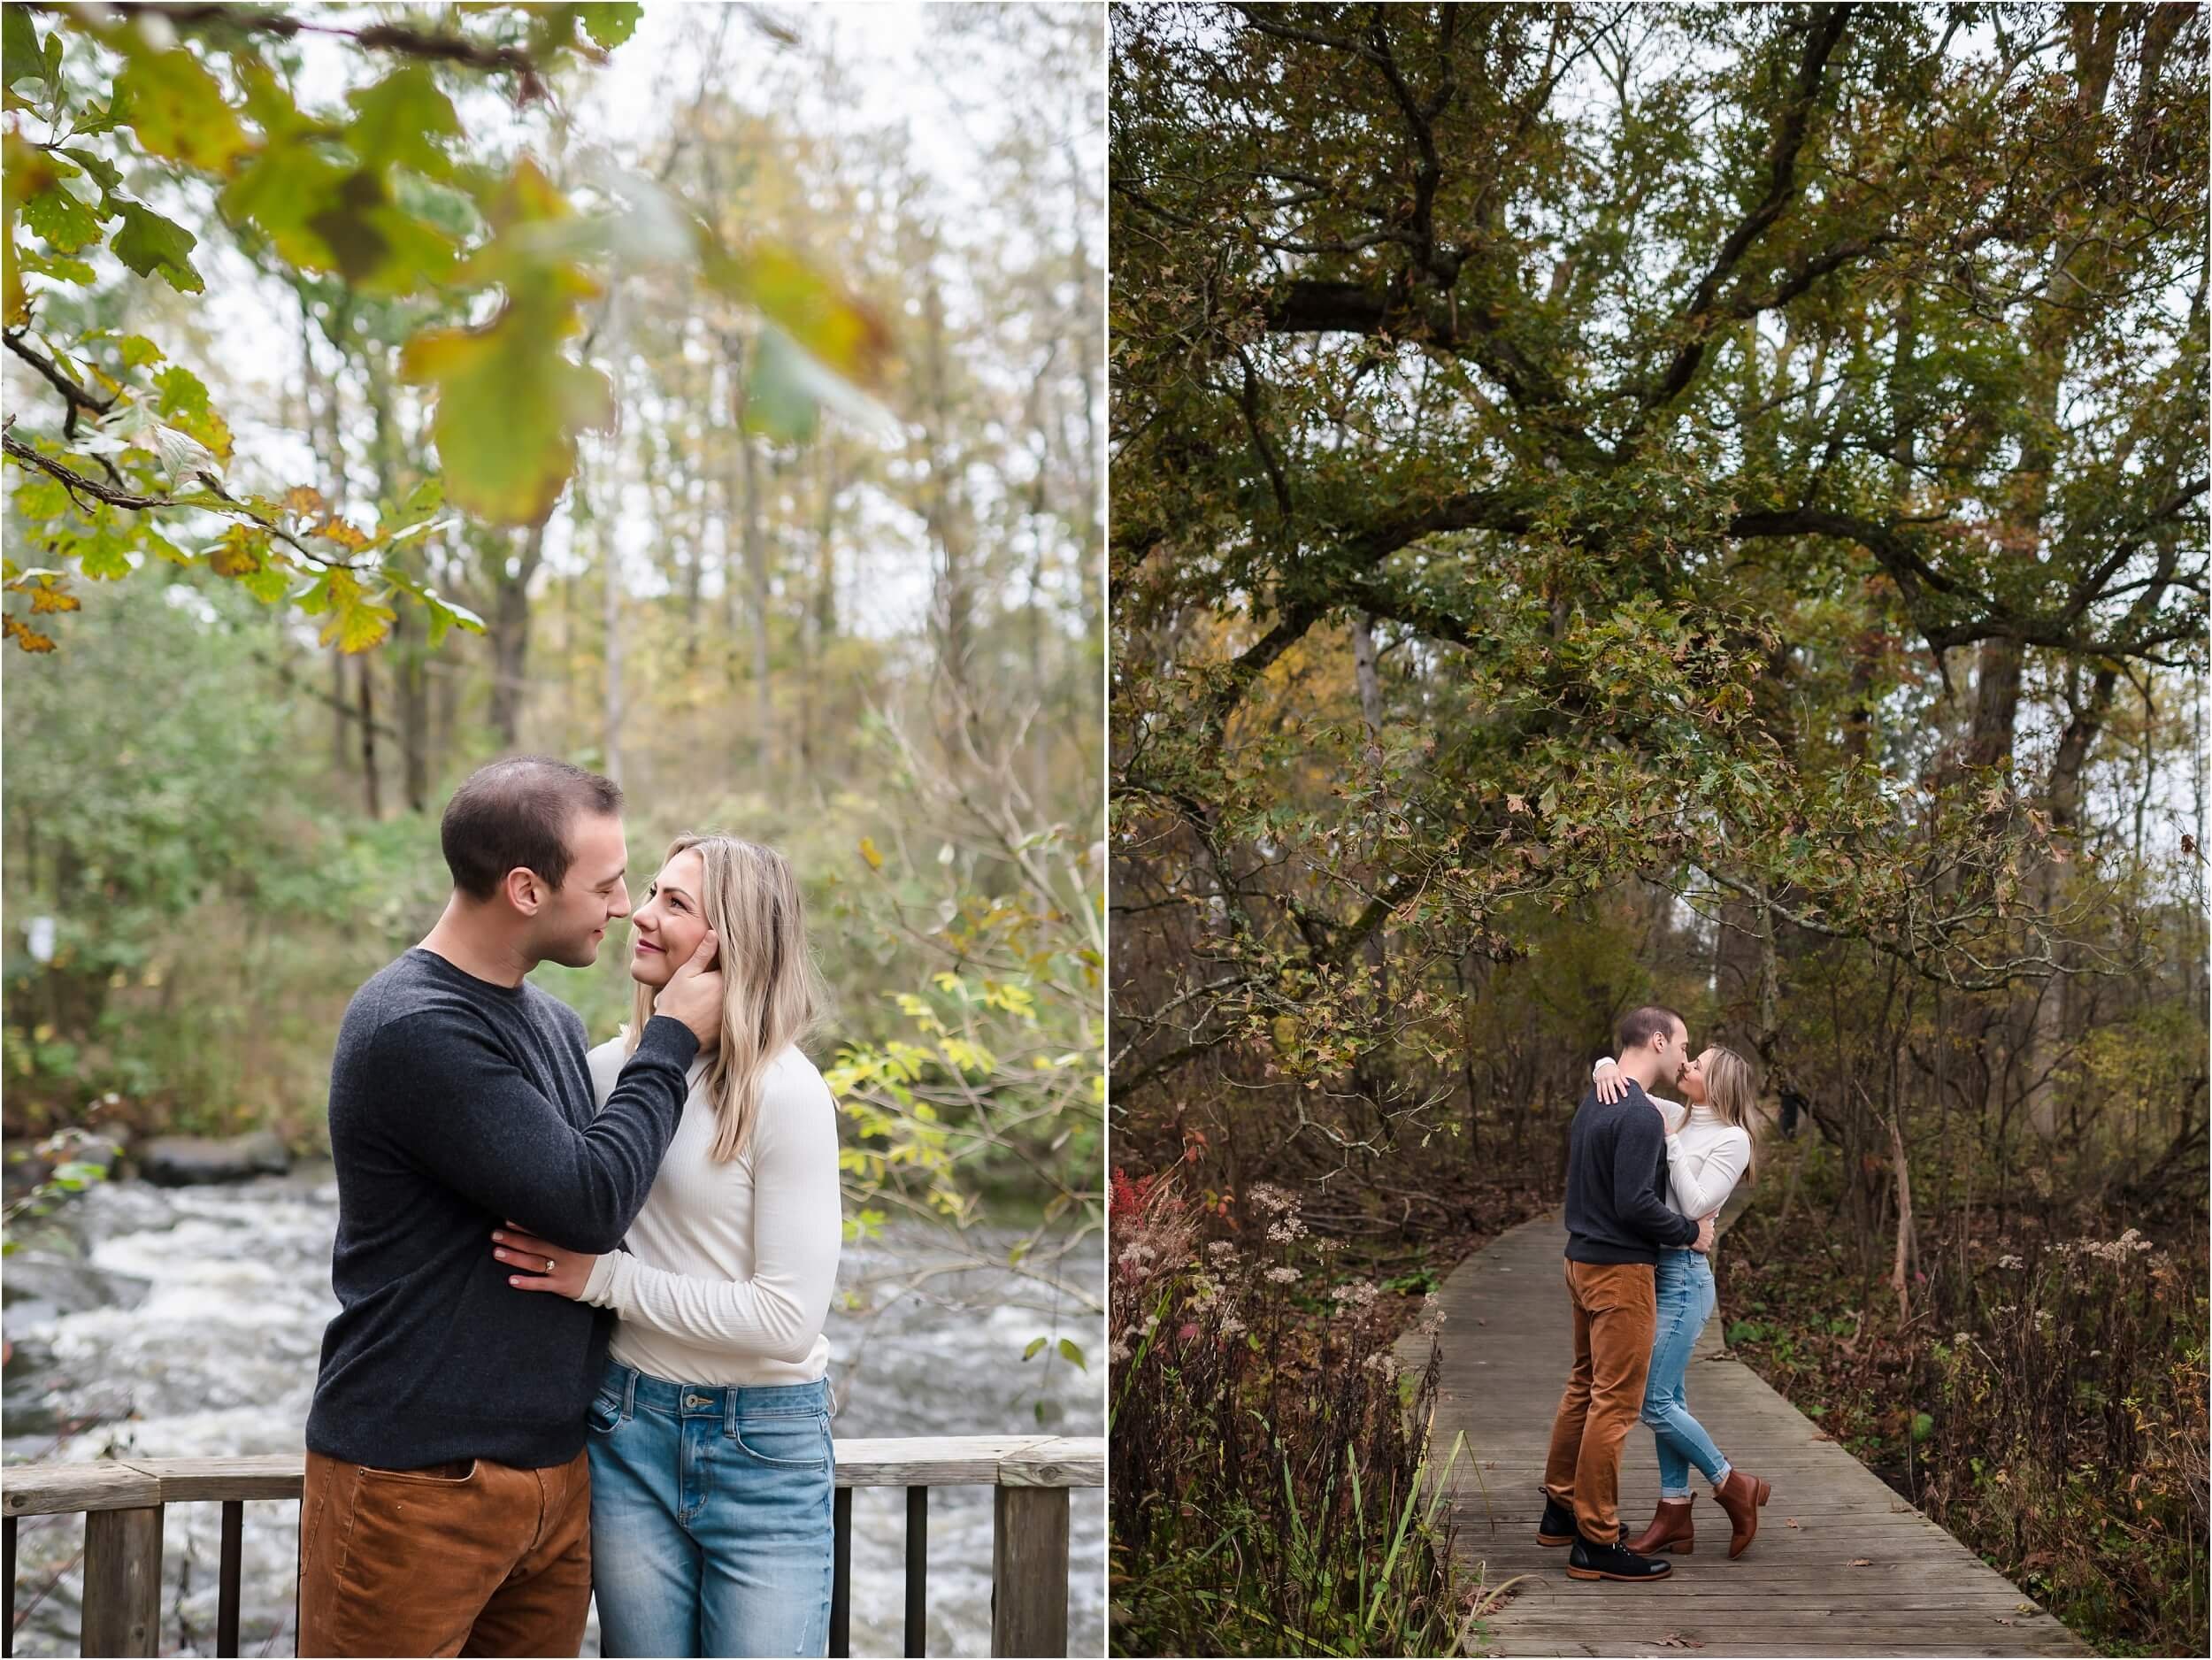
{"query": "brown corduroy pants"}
(1615, 1313)
(470, 1558)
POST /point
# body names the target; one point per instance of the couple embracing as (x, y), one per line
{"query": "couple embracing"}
(1646, 1178)
(581, 1290)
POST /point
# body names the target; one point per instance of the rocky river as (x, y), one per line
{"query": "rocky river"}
(164, 1322)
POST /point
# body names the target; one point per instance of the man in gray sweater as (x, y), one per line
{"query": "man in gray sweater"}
(448, 1502)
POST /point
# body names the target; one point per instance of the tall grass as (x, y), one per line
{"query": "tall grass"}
(2044, 1398)
(1270, 1493)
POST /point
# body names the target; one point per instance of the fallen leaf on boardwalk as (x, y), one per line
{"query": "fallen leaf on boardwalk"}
(1822, 1434)
(1791, 1523)
(2024, 1607)
(2006, 1619)
(1676, 1640)
(1861, 1562)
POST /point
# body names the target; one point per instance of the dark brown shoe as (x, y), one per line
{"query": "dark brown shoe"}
(1669, 1529)
(1741, 1495)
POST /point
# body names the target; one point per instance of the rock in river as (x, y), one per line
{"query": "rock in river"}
(184, 1161)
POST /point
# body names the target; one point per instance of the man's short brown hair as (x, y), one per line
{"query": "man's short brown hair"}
(515, 814)
(1638, 1026)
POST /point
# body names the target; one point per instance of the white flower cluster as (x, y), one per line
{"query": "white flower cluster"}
(1281, 1276)
(2009, 1261)
(2117, 1250)
(1139, 1259)
(1432, 1316)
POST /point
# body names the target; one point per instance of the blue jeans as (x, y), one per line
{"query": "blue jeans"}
(710, 1508)
(1684, 1284)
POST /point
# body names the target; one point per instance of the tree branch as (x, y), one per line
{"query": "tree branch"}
(79, 486)
(1789, 138)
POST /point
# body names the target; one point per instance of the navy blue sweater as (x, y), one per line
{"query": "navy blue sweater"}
(456, 1105)
(1617, 1183)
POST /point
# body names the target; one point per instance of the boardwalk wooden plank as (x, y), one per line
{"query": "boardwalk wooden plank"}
(1505, 1349)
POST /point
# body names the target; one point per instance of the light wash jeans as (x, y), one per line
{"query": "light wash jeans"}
(1684, 1284)
(710, 1516)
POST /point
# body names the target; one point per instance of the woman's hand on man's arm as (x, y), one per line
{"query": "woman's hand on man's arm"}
(541, 1265)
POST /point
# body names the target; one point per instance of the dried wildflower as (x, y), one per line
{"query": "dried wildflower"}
(2009, 1261)
(1281, 1276)
(1272, 1198)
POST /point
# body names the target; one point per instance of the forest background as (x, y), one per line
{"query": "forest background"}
(1697, 503)
(710, 399)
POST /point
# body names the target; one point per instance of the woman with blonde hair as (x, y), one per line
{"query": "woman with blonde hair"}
(713, 1473)
(1709, 1150)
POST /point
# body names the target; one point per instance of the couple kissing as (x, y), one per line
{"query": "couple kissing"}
(1646, 1178)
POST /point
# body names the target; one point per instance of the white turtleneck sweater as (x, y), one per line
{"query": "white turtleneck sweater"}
(1706, 1155)
(726, 1275)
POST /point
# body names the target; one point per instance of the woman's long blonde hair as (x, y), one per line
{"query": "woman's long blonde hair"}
(1730, 1092)
(770, 991)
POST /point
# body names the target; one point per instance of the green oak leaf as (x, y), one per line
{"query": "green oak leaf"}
(356, 621)
(106, 172)
(271, 583)
(510, 402)
(242, 551)
(284, 190)
(162, 548)
(444, 615)
(20, 46)
(609, 25)
(510, 405)
(397, 122)
(149, 244)
(378, 248)
(844, 334)
(178, 110)
(27, 170)
(62, 267)
(64, 222)
(103, 550)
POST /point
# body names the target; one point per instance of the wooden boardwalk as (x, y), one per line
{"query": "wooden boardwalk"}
(1860, 1574)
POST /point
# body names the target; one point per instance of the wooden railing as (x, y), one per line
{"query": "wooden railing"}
(122, 1502)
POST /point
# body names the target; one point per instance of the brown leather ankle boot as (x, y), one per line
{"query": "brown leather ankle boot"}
(1741, 1495)
(1669, 1529)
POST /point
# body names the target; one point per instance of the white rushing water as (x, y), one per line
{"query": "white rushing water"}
(191, 1324)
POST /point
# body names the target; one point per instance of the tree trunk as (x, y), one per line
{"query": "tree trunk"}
(371, 797)
(509, 626)
(756, 572)
(1364, 669)
(610, 620)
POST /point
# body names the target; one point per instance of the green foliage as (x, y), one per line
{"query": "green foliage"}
(64, 1175)
(383, 194)
(995, 1083)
